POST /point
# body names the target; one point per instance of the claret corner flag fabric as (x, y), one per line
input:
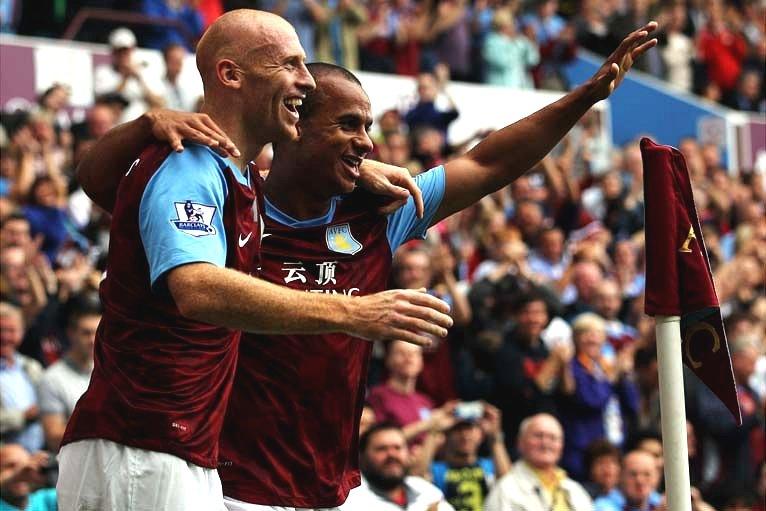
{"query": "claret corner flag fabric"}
(678, 277)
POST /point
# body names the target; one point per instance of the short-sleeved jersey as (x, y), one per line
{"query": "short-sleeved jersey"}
(291, 430)
(161, 381)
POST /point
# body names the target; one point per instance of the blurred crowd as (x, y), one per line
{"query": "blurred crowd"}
(549, 378)
(713, 48)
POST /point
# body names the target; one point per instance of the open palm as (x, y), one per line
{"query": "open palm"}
(610, 74)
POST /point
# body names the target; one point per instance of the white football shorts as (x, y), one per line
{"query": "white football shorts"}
(100, 475)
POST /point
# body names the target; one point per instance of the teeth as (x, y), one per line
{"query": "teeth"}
(294, 101)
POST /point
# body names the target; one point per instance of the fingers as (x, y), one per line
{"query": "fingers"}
(412, 321)
(420, 297)
(410, 185)
(411, 337)
(640, 50)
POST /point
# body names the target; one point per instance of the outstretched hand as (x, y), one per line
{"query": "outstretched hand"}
(610, 74)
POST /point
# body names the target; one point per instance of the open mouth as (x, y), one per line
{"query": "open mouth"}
(291, 105)
(352, 163)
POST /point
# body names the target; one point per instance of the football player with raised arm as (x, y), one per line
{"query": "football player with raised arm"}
(289, 438)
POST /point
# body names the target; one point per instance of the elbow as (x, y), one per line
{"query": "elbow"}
(188, 293)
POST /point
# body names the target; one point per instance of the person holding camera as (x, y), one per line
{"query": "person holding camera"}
(25, 479)
(461, 474)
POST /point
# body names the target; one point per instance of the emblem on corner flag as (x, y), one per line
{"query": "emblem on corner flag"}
(194, 219)
(339, 239)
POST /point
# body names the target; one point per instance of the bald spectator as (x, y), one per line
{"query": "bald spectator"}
(639, 482)
(23, 479)
(607, 303)
(386, 486)
(536, 483)
(65, 381)
(19, 377)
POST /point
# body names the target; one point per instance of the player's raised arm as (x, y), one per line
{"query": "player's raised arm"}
(103, 166)
(511, 151)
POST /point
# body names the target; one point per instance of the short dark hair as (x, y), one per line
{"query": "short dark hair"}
(364, 440)
(525, 299)
(601, 449)
(84, 304)
(321, 70)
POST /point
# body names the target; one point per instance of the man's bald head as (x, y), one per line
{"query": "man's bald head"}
(238, 36)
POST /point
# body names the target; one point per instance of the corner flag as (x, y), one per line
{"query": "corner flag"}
(678, 277)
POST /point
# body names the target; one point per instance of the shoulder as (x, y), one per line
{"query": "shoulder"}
(32, 367)
(580, 497)
(55, 372)
(422, 487)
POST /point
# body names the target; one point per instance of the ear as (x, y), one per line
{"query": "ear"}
(229, 73)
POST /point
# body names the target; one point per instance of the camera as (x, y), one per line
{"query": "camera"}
(469, 410)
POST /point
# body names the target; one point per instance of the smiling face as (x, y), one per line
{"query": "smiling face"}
(334, 136)
(274, 82)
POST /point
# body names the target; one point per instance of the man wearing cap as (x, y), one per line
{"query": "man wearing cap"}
(462, 475)
(124, 76)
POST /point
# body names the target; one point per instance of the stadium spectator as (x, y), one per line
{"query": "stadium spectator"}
(124, 76)
(526, 373)
(676, 48)
(749, 95)
(376, 51)
(449, 34)
(549, 259)
(396, 401)
(305, 16)
(602, 461)
(553, 36)
(385, 485)
(336, 39)
(23, 480)
(608, 304)
(19, 378)
(600, 396)
(535, 482)
(721, 48)
(65, 381)
(461, 474)
(425, 113)
(179, 92)
(508, 55)
(639, 482)
(182, 13)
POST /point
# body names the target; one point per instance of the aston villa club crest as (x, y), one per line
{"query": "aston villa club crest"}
(194, 219)
(339, 239)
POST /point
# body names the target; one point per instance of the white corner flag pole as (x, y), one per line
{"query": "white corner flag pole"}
(673, 413)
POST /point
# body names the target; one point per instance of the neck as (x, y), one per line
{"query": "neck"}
(395, 494)
(226, 116)
(460, 459)
(402, 384)
(637, 504)
(82, 362)
(547, 471)
(9, 358)
(283, 189)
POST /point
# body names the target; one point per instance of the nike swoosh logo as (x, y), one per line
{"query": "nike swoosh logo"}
(243, 241)
(264, 235)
